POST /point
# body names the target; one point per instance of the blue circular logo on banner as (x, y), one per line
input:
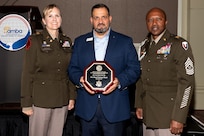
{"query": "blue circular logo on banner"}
(14, 32)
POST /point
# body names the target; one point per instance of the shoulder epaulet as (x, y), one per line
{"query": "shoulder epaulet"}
(64, 35)
(37, 33)
(183, 42)
(177, 37)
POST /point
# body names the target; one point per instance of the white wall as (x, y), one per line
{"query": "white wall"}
(191, 27)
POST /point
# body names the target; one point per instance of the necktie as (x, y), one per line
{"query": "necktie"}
(153, 44)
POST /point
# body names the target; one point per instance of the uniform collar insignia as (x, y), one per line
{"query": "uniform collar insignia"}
(165, 39)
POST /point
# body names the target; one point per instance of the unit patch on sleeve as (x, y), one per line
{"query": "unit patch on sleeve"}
(185, 45)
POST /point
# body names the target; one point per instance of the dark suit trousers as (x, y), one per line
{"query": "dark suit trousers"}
(99, 126)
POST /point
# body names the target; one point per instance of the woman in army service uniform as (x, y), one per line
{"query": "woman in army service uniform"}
(47, 94)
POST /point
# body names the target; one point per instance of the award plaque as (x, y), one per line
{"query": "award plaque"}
(99, 76)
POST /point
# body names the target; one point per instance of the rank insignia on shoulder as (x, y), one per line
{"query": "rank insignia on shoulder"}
(177, 37)
(185, 45)
(37, 33)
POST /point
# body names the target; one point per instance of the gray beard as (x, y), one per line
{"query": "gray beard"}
(101, 30)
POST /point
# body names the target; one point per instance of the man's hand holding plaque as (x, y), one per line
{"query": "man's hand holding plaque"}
(110, 89)
(99, 77)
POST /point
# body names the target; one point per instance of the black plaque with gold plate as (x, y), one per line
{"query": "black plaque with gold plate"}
(99, 76)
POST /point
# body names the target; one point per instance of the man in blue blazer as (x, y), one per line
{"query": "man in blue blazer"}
(109, 109)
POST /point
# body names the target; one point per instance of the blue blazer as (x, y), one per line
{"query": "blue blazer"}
(122, 57)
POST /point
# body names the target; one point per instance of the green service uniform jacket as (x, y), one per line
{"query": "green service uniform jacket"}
(166, 85)
(45, 81)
